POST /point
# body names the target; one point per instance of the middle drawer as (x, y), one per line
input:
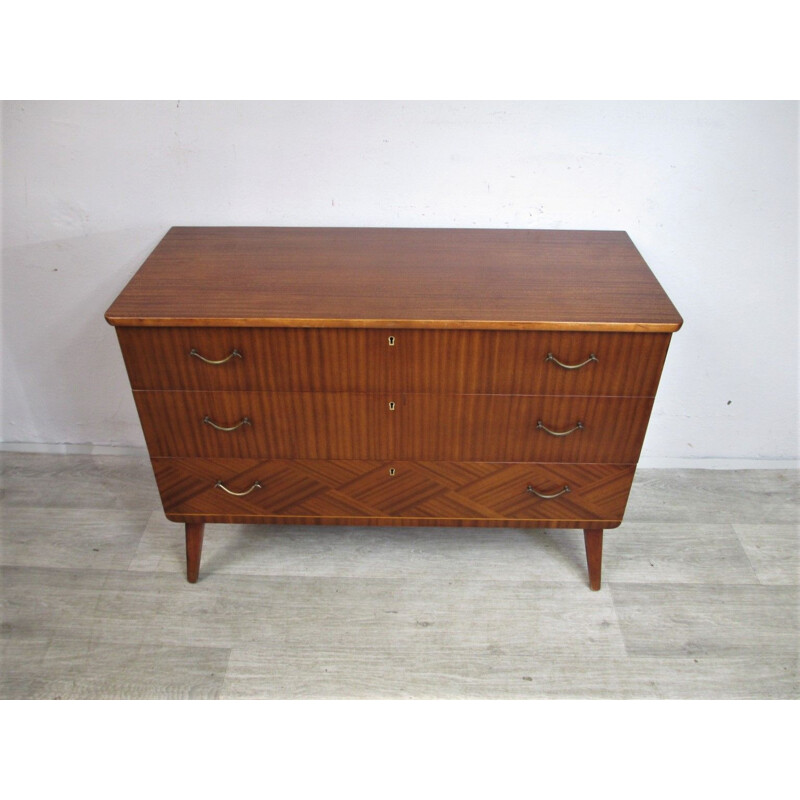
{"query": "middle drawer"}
(345, 425)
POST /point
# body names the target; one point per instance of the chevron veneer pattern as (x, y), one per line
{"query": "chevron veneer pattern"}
(346, 491)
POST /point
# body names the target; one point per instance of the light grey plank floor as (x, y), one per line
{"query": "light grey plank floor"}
(699, 598)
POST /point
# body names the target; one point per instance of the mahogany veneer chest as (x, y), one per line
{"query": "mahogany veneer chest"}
(379, 376)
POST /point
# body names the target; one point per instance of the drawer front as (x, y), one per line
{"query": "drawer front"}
(270, 359)
(475, 427)
(279, 424)
(353, 490)
(341, 425)
(517, 362)
(376, 360)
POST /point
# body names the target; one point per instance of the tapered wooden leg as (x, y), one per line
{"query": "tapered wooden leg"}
(194, 547)
(593, 539)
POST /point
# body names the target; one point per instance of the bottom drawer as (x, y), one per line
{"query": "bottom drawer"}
(386, 493)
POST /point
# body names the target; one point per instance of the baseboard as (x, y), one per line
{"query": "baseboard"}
(717, 463)
(72, 449)
(644, 463)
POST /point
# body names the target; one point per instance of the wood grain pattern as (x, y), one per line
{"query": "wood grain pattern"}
(194, 548)
(273, 359)
(341, 359)
(349, 491)
(384, 277)
(427, 427)
(515, 362)
(593, 543)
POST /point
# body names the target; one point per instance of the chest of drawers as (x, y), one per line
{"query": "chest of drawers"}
(376, 376)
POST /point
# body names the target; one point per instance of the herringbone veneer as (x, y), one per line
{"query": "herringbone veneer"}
(350, 490)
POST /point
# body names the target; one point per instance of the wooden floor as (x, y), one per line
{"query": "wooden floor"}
(699, 598)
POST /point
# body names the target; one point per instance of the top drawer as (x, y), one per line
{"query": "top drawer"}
(412, 360)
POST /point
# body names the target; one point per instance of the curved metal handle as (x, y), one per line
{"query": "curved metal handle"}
(234, 353)
(209, 421)
(551, 357)
(541, 427)
(565, 490)
(219, 485)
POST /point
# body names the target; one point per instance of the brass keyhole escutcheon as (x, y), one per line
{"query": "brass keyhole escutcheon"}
(391, 405)
(391, 341)
(392, 471)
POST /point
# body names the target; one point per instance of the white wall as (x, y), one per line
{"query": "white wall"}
(708, 191)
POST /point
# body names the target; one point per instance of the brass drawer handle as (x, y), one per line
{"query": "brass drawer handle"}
(209, 421)
(565, 490)
(551, 357)
(234, 353)
(541, 427)
(219, 485)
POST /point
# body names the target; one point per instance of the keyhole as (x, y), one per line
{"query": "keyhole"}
(391, 470)
(391, 405)
(391, 341)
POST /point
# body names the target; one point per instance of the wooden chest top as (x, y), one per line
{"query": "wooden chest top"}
(396, 277)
